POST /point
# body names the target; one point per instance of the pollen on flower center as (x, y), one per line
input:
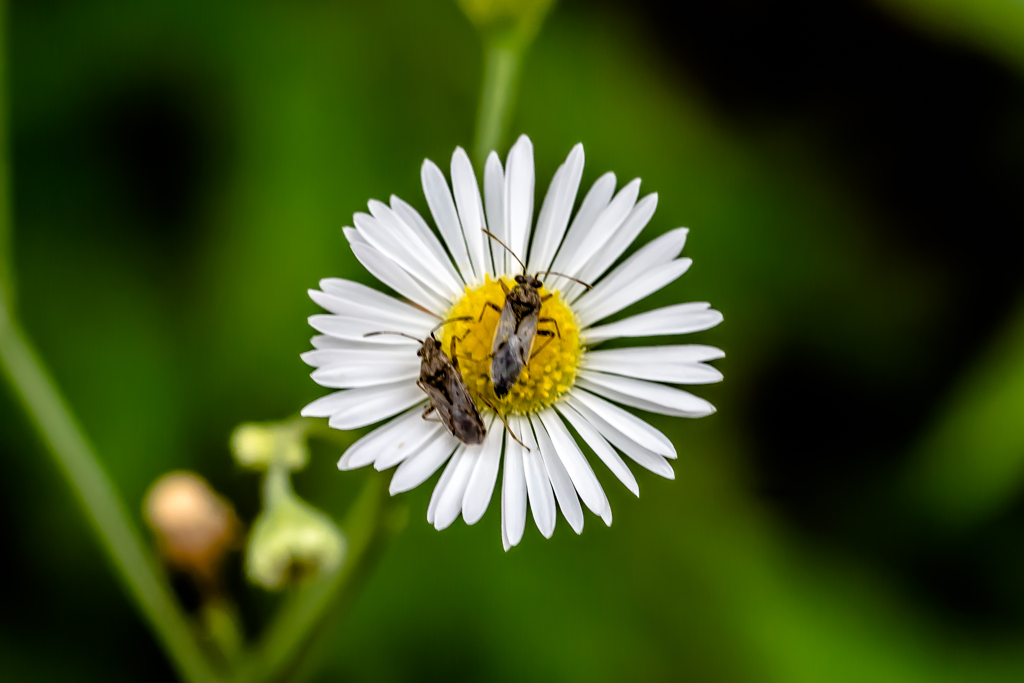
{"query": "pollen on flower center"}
(551, 369)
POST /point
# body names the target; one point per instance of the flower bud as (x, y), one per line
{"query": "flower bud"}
(193, 526)
(259, 445)
(291, 540)
(517, 16)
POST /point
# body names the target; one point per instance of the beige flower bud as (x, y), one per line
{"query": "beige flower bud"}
(194, 527)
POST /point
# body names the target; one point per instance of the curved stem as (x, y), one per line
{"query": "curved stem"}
(100, 502)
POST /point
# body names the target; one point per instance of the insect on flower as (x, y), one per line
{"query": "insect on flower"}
(512, 348)
(560, 382)
(442, 382)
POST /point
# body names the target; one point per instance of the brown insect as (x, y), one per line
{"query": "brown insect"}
(512, 347)
(442, 382)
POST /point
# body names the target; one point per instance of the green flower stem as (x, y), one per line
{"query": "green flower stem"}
(497, 97)
(277, 484)
(103, 507)
(287, 640)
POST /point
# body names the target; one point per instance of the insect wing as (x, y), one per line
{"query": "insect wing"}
(441, 404)
(506, 327)
(465, 418)
(527, 334)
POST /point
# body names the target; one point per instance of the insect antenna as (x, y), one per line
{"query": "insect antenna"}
(400, 334)
(567, 277)
(450, 320)
(492, 236)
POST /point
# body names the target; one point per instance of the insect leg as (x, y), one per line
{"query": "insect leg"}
(454, 357)
(553, 322)
(504, 422)
(486, 306)
(543, 333)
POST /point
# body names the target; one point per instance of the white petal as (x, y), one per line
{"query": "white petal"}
(323, 406)
(352, 375)
(355, 329)
(414, 220)
(355, 408)
(658, 252)
(657, 363)
(401, 250)
(409, 441)
(538, 485)
(418, 246)
(471, 210)
(344, 297)
(604, 227)
(568, 501)
(601, 447)
(631, 292)
(678, 319)
(494, 196)
(679, 354)
(442, 483)
(580, 472)
(323, 341)
(594, 203)
(624, 421)
(418, 468)
(439, 199)
(485, 474)
(620, 240)
(363, 353)
(364, 451)
(559, 202)
(449, 503)
(395, 441)
(519, 194)
(504, 532)
(391, 274)
(505, 536)
(513, 495)
(651, 396)
(640, 455)
(544, 219)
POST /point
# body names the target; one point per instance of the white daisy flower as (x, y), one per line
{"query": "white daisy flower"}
(565, 383)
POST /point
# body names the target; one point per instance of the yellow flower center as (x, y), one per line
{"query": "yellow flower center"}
(551, 369)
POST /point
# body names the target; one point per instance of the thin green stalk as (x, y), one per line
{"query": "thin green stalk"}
(100, 502)
(497, 97)
(508, 28)
(287, 640)
(6, 258)
(53, 420)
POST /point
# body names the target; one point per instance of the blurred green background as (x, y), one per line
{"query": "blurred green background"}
(852, 174)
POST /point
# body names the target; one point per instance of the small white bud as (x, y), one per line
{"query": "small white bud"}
(291, 540)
